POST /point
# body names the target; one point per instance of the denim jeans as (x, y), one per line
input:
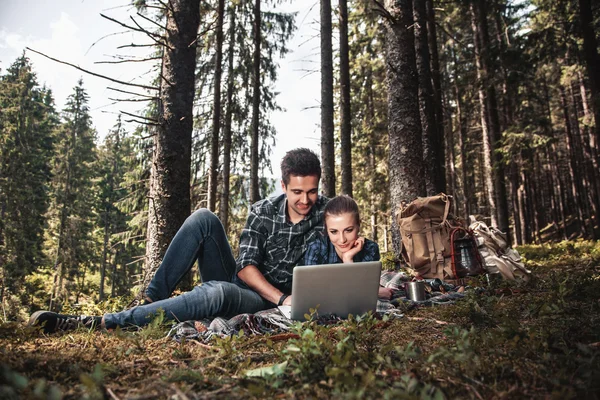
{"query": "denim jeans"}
(202, 238)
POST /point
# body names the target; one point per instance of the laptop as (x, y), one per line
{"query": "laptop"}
(339, 289)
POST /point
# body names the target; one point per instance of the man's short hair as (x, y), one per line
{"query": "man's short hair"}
(300, 162)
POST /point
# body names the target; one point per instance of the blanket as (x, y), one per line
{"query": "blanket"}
(271, 321)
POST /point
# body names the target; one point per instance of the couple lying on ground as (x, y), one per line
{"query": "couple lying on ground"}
(280, 233)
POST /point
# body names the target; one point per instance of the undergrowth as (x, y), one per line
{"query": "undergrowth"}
(536, 339)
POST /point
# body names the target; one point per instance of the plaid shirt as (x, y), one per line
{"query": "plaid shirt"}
(273, 244)
(321, 251)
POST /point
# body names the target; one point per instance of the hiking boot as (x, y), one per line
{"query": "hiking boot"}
(52, 322)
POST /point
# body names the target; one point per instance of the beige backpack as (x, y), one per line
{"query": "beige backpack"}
(429, 234)
(498, 257)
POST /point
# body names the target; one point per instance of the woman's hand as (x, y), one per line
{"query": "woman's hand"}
(356, 247)
(386, 293)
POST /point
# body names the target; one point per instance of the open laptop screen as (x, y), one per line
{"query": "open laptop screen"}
(339, 289)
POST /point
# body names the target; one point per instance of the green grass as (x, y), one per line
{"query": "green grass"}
(539, 339)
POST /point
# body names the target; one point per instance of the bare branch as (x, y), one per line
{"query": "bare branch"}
(141, 122)
(133, 28)
(153, 35)
(102, 38)
(130, 100)
(139, 116)
(449, 34)
(135, 94)
(129, 60)
(136, 45)
(93, 73)
(152, 21)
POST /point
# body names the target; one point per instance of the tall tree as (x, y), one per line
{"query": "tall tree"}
(26, 123)
(592, 61)
(327, 130)
(72, 206)
(216, 122)
(170, 176)
(255, 137)
(345, 106)
(489, 118)
(432, 148)
(406, 166)
(224, 202)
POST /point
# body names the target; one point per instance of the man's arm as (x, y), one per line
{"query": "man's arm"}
(257, 282)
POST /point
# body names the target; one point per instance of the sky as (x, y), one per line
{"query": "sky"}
(74, 31)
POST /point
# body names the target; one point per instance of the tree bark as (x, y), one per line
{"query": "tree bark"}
(592, 61)
(216, 122)
(499, 205)
(345, 110)
(436, 79)
(434, 163)
(169, 203)
(327, 143)
(254, 145)
(224, 203)
(406, 169)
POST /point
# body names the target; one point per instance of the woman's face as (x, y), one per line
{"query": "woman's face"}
(342, 231)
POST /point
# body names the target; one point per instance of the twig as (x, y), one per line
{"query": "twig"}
(135, 45)
(112, 394)
(152, 21)
(449, 34)
(180, 393)
(204, 346)
(135, 94)
(428, 319)
(93, 73)
(129, 60)
(129, 100)
(139, 116)
(153, 35)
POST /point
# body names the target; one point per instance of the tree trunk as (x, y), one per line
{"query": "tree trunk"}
(224, 203)
(345, 111)
(487, 142)
(327, 143)
(104, 253)
(432, 156)
(406, 169)
(216, 122)
(490, 114)
(436, 79)
(254, 145)
(573, 171)
(592, 61)
(169, 203)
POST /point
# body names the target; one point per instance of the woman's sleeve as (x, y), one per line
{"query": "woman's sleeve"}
(314, 253)
(371, 251)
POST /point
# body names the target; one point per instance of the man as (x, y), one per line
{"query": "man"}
(273, 241)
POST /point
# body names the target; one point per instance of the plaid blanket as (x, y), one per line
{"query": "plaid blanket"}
(272, 321)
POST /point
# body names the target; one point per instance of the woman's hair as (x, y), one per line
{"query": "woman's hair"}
(341, 205)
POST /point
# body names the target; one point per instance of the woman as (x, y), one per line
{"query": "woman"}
(343, 243)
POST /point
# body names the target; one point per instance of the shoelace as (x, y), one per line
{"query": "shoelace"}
(69, 323)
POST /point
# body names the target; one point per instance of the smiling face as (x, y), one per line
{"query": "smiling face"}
(302, 193)
(342, 230)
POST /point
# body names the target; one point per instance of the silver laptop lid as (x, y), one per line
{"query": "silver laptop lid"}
(339, 289)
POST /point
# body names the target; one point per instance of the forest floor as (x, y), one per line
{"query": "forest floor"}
(539, 339)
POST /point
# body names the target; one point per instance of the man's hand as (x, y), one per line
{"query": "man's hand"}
(287, 301)
(348, 256)
(257, 282)
(386, 293)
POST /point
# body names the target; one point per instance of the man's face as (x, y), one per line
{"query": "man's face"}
(302, 193)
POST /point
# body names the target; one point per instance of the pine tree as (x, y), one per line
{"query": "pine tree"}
(27, 118)
(71, 213)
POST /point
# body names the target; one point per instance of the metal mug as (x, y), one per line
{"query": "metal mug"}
(415, 291)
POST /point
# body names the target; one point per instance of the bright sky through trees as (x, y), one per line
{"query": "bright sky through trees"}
(73, 31)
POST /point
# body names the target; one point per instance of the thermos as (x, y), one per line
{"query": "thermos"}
(415, 291)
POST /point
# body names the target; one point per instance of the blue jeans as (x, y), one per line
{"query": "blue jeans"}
(202, 238)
